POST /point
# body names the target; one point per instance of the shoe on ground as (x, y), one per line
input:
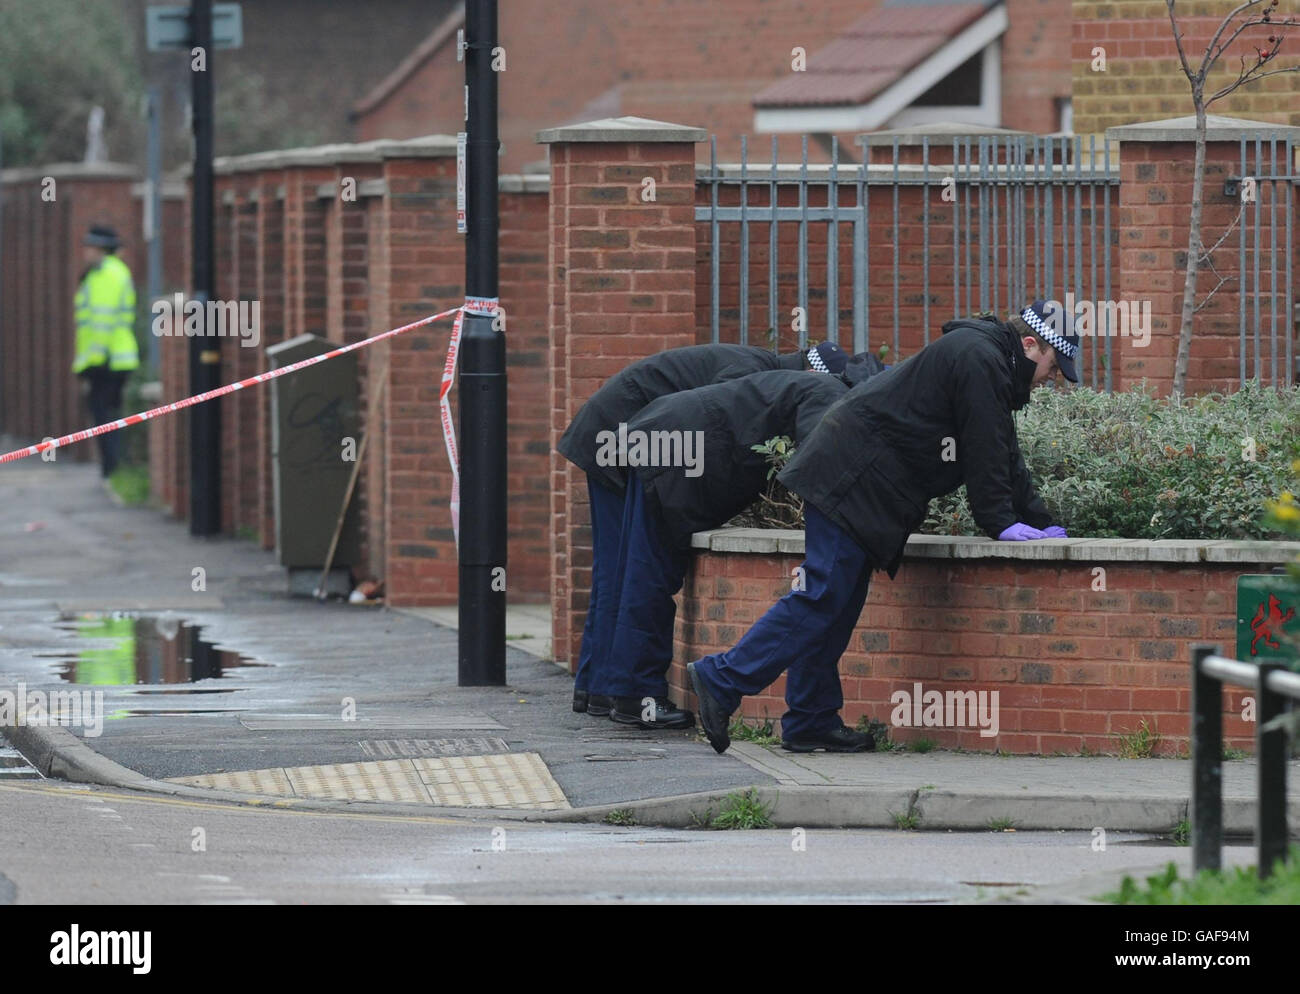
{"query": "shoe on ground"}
(713, 718)
(664, 715)
(580, 701)
(842, 739)
(599, 705)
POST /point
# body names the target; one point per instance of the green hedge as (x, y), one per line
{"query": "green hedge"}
(1129, 465)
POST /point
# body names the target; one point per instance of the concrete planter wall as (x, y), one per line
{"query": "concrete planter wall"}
(1081, 639)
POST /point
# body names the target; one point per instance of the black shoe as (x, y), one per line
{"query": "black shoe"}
(665, 714)
(713, 719)
(842, 739)
(580, 701)
(598, 705)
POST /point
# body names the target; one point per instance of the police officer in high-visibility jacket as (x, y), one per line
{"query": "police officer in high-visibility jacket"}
(106, 346)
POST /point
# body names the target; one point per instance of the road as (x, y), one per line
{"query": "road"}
(66, 843)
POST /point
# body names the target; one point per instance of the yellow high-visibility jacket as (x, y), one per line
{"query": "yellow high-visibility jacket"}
(105, 314)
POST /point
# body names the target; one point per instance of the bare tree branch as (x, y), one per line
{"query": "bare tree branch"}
(1210, 54)
(1178, 39)
(1250, 78)
(1248, 23)
(1240, 214)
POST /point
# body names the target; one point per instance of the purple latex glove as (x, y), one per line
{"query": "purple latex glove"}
(1054, 531)
(1020, 532)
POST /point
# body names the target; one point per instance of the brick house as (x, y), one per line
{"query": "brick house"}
(864, 66)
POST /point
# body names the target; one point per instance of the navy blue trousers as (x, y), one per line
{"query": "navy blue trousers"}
(651, 571)
(805, 632)
(602, 606)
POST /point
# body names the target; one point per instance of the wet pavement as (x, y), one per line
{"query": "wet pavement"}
(209, 669)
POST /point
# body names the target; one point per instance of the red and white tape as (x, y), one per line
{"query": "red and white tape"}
(473, 305)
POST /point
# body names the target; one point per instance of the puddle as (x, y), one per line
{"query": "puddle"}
(187, 690)
(124, 650)
(169, 712)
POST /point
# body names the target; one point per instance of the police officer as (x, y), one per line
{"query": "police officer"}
(617, 400)
(937, 420)
(718, 429)
(106, 349)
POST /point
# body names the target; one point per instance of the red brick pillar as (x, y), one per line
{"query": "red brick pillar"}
(424, 262)
(1155, 203)
(622, 288)
(524, 211)
(348, 298)
(248, 360)
(223, 289)
(268, 189)
(304, 243)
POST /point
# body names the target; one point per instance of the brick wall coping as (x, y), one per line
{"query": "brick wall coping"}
(944, 131)
(1183, 129)
(426, 146)
(378, 187)
(170, 190)
(766, 541)
(622, 129)
(70, 170)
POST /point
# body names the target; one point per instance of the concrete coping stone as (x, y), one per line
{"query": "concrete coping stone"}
(1183, 129)
(169, 189)
(622, 129)
(779, 541)
(70, 170)
(524, 183)
(337, 153)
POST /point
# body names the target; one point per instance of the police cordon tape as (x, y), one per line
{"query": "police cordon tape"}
(473, 305)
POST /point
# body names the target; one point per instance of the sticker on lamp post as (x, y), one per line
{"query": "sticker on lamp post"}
(461, 226)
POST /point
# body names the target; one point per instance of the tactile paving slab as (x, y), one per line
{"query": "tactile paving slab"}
(509, 780)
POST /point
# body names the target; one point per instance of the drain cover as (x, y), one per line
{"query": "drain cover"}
(478, 745)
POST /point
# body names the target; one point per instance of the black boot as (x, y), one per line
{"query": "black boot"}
(664, 714)
(598, 705)
(580, 701)
(715, 721)
(842, 739)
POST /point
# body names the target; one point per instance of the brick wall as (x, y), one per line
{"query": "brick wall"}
(622, 287)
(346, 242)
(1143, 79)
(1075, 668)
(1154, 197)
(43, 265)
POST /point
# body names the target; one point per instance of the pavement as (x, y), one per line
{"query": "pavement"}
(329, 706)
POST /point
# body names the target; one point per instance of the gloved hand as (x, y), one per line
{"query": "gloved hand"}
(1054, 531)
(1020, 532)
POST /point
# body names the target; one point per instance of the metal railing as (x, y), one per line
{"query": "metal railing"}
(1000, 220)
(1274, 683)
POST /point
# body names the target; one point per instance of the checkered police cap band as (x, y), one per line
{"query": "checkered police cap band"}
(816, 361)
(1044, 330)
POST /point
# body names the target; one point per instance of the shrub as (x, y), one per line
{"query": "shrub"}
(1130, 465)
